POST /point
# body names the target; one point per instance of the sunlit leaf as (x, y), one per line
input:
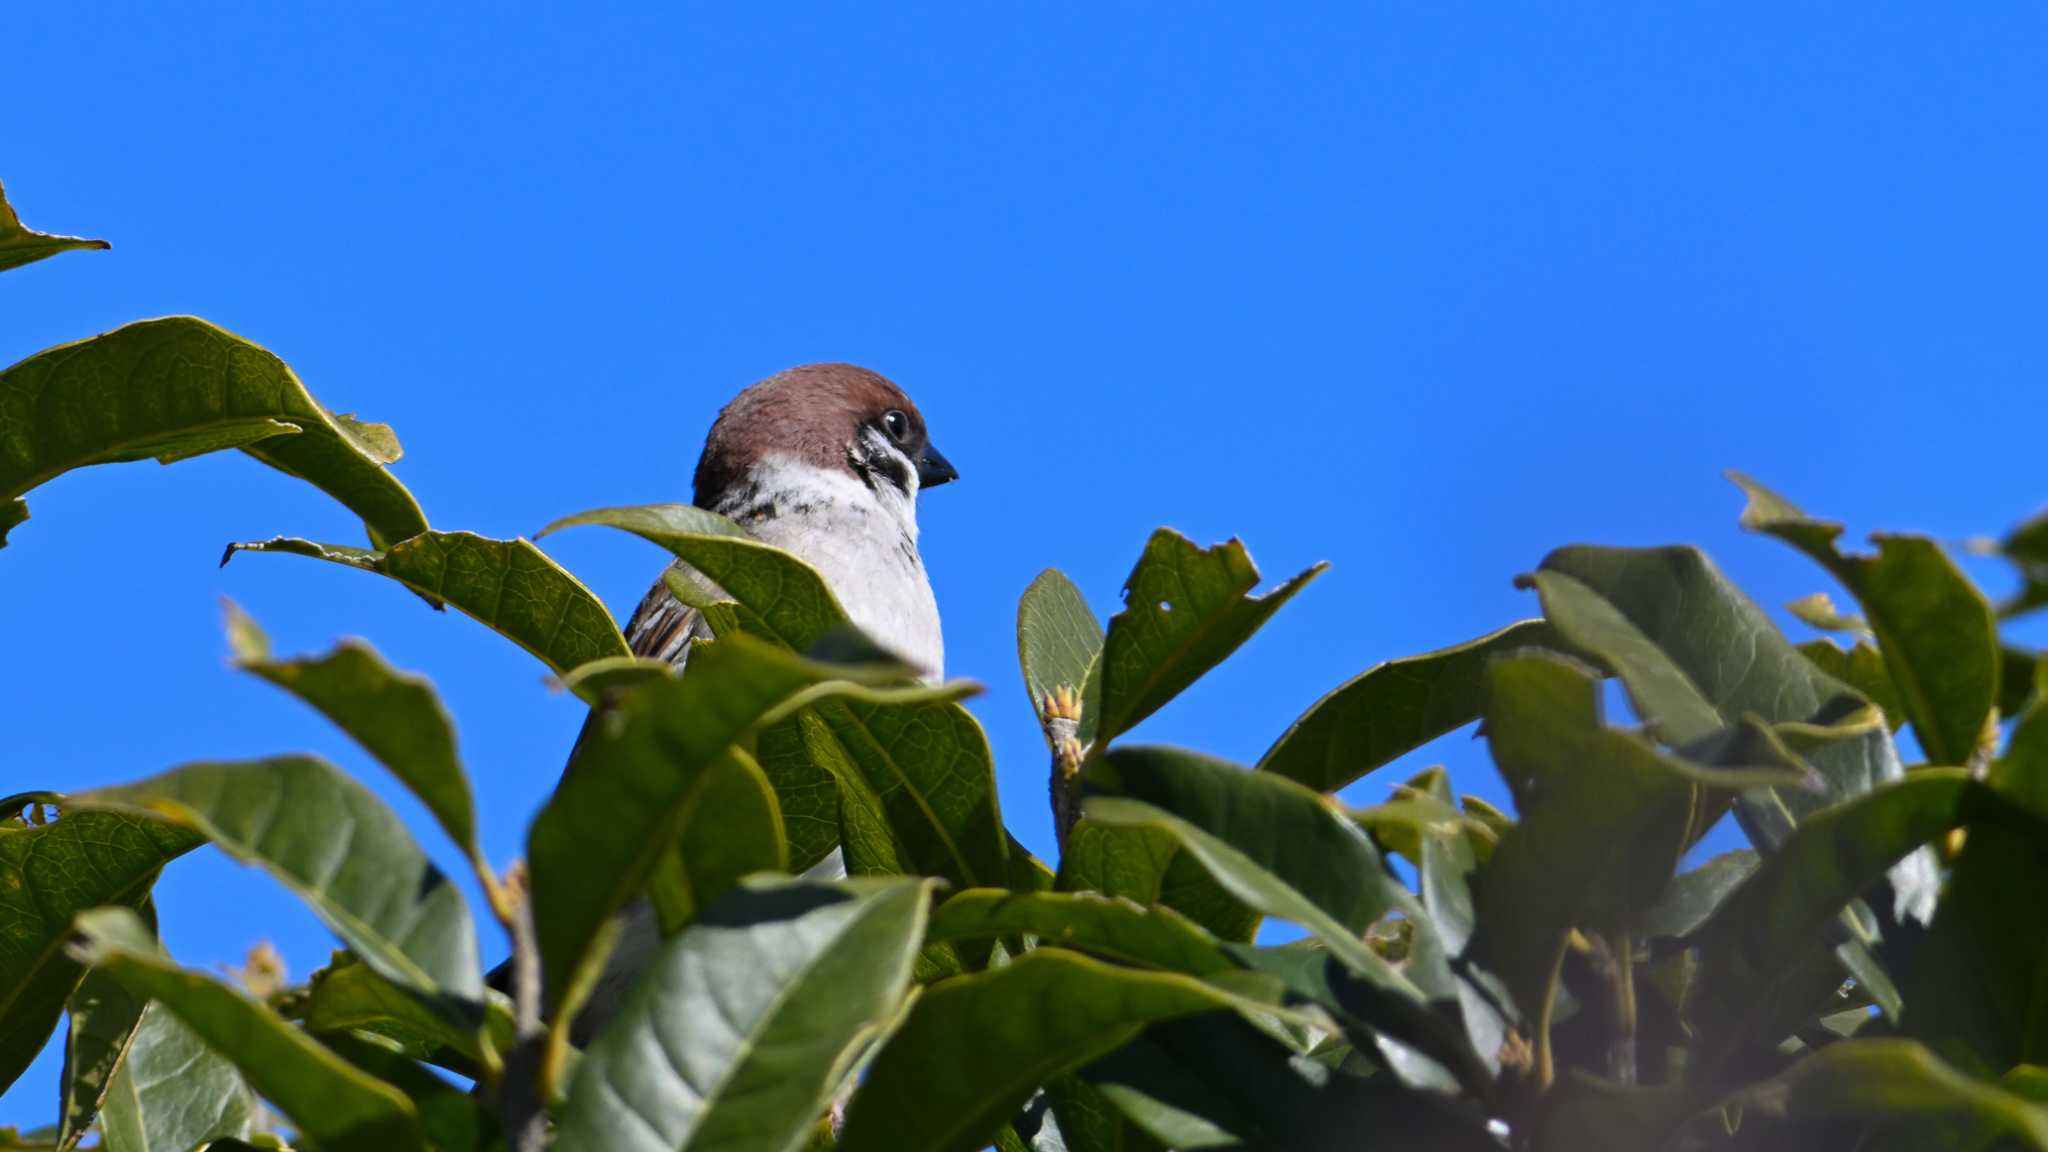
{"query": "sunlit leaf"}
(50, 872)
(1058, 637)
(396, 716)
(328, 1100)
(174, 388)
(1185, 610)
(173, 1091)
(1110, 927)
(337, 847)
(1936, 631)
(800, 978)
(20, 245)
(975, 1047)
(510, 586)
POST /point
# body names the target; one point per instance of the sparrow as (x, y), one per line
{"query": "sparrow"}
(824, 461)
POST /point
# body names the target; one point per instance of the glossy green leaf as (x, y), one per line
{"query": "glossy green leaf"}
(1110, 927)
(733, 829)
(20, 245)
(337, 847)
(396, 716)
(1391, 709)
(637, 774)
(927, 765)
(781, 597)
(1058, 636)
(1936, 631)
(172, 1091)
(174, 388)
(1147, 866)
(975, 1047)
(1287, 830)
(1215, 1081)
(509, 586)
(329, 1102)
(799, 978)
(50, 872)
(1185, 610)
(350, 996)
(805, 789)
(101, 1025)
(1882, 1083)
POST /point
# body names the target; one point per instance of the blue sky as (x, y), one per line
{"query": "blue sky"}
(1423, 291)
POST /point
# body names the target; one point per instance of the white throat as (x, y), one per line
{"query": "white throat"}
(861, 537)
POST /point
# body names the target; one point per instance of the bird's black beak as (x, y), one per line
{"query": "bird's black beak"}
(933, 469)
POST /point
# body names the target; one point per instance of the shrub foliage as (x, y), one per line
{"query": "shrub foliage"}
(1872, 973)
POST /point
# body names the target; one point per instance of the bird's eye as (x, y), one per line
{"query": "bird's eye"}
(896, 424)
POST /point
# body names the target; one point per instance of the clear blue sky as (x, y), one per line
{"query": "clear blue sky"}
(1421, 290)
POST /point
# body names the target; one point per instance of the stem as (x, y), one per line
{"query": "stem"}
(521, 1111)
(1617, 963)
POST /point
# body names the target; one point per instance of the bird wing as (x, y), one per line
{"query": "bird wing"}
(662, 626)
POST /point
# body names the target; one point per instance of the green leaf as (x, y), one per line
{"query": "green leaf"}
(331, 1103)
(781, 597)
(50, 872)
(1978, 989)
(1217, 1082)
(172, 1091)
(337, 847)
(509, 586)
(1937, 632)
(20, 245)
(927, 767)
(1692, 896)
(1391, 709)
(2027, 547)
(1770, 921)
(733, 829)
(805, 788)
(1287, 852)
(1879, 1083)
(1862, 668)
(975, 1047)
(1186, 610)
(1110, 927)
(638, 772)
(1058, 637)
(395, 716)
(1148, 867)
(175, 388)
(1728, 652)
(451, 1119)
(800, 978)
(103, 1019)
(1604, 819)
(350, 996)
(1817, 610)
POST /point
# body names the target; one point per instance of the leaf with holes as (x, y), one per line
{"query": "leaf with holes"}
(1185, 610)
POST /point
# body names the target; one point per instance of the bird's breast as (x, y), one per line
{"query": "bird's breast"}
(873, 567)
